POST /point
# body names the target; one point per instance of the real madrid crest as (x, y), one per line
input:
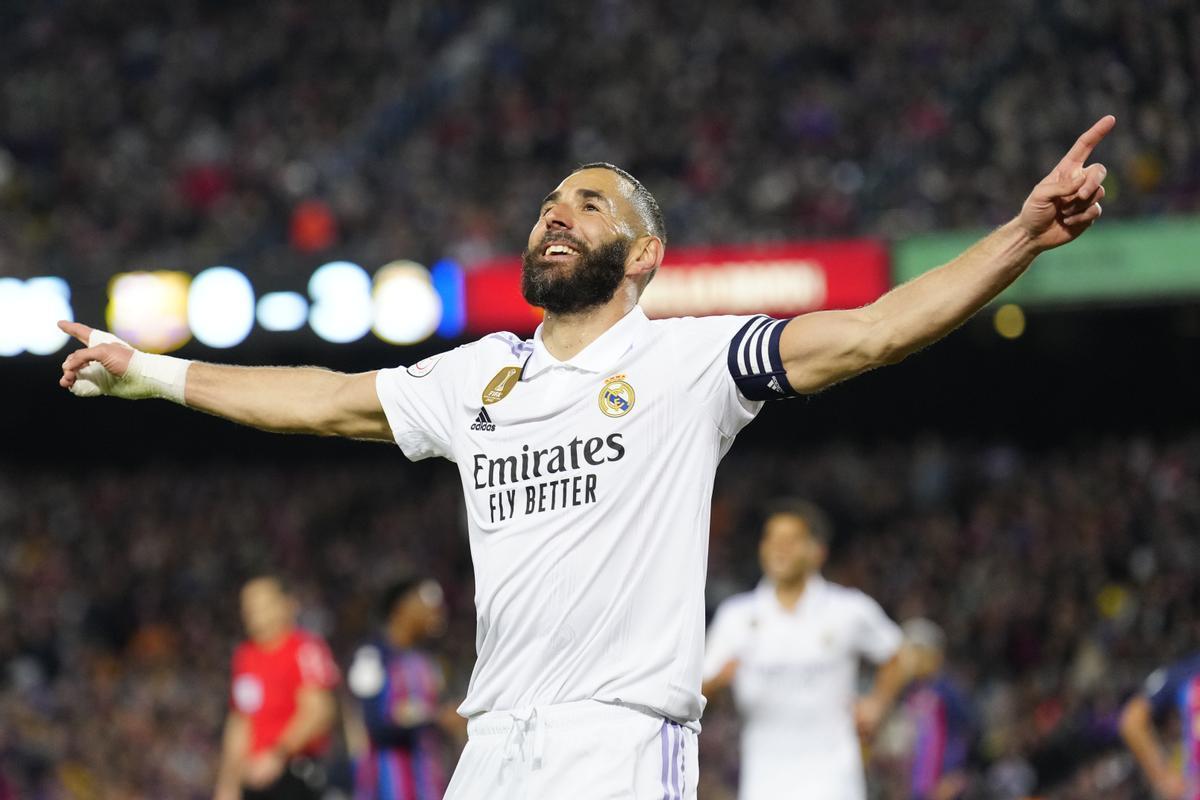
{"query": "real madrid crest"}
(499, 386)
(617, 397)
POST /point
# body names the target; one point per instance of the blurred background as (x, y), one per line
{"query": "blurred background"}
(351, 184)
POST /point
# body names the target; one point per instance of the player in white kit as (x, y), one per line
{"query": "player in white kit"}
(790, 651)
(587, 456)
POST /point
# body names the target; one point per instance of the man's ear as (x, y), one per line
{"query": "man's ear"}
(645, 256)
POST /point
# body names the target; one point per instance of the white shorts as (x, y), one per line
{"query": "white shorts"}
(586, 750)
(771, 776)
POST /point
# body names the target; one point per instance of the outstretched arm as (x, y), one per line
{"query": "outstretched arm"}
(823, 348)
(280, 399)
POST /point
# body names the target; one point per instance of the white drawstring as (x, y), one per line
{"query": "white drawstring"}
(524, 722)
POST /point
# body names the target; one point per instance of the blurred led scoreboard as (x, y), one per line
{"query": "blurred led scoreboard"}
(404, 303)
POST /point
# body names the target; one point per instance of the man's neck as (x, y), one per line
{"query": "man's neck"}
(566, 335)
(788, 594)
(275, 639)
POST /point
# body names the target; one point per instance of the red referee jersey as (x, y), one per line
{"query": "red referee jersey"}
(267, 680)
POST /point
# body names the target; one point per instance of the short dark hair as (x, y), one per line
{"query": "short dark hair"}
(647, 207)
(813, 517)
(397, 591)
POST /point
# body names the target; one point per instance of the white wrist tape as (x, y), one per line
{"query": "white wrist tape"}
(149, 375)
(162, 376)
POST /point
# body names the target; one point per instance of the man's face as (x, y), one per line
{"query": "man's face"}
(577, 251)
(424, 608)
(788, 550)
(267, 611)
(431, 608)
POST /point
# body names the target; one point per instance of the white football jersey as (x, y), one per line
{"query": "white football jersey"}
(588, 486)
(796, 684)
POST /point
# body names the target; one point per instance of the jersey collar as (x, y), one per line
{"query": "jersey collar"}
(599, 356)
(813, 589)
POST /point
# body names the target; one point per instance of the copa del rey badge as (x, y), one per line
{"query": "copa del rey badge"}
(499, 386)
(617, 397)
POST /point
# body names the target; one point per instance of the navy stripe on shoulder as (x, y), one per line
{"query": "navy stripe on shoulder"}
(755, 362)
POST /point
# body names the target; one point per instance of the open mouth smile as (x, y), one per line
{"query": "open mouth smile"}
(559, 251)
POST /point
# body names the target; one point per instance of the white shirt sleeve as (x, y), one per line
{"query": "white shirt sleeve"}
(875, 635)
(725, 637)
(420, 402)
(702, 346)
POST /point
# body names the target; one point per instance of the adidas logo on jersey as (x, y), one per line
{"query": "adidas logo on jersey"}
(774, 384)
(483, 422)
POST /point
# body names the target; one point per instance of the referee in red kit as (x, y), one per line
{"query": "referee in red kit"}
(281, 704)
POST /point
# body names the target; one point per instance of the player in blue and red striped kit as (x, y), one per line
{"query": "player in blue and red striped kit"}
(400, 687)
(1174, 687)
(938, 713)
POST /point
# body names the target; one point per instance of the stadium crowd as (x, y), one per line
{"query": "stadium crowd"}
(150, 135)
(1061, 576)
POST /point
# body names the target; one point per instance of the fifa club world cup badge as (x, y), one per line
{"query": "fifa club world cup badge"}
(617, 397)
(499, 386)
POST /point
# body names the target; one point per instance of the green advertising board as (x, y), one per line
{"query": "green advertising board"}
(1112, 262)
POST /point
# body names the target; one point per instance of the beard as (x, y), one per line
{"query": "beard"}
(566, 289)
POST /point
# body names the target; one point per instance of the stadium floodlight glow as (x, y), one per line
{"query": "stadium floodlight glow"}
(282, 311)
(341, 302)
(28, 313)
(149, 309)
(1009, 321)
(12, 303)
(450, 283)
(407, 307)
(47, 300)
(221, 307)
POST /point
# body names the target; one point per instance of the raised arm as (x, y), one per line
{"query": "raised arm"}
(279, 399)
(823, 348)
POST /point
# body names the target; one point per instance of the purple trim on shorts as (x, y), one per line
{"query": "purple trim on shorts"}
(682, 761)
(677, 779)
(662, 737)
(673, 747)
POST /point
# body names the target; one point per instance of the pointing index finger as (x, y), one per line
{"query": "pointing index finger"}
(77, 329)
(1086, 143)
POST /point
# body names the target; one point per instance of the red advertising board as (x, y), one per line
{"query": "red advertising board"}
(778, 279)
(493, 299)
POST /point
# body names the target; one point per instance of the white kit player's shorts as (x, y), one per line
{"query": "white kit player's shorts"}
(586, 750)
(805, 779)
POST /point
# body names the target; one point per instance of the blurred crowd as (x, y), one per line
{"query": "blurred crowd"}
(136, 134)
(1062, 578)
